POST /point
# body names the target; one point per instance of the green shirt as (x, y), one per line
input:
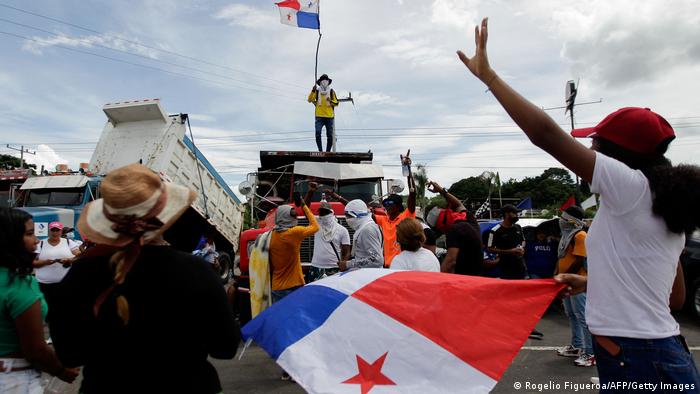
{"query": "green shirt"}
(15, 298)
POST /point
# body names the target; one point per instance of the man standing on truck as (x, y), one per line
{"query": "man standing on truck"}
(324, 99)
(395, 213)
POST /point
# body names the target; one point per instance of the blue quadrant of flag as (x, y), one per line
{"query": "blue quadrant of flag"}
(291, 319)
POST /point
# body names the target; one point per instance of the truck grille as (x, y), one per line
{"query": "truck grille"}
(307, 245)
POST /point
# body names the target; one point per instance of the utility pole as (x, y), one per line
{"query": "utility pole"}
(22, 151)
(570, 93)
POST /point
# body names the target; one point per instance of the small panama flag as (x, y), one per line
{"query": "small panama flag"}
(300, 13)
(387, 331)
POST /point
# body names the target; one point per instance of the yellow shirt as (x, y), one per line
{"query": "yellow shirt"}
(324, 109)
(577, 250)
(391, 247)
(285, 260)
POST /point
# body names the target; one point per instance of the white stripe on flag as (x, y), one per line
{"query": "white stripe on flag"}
(328, 356)
(288, 16)
(350, 282)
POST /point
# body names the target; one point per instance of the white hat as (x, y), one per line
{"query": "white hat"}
(135, 202)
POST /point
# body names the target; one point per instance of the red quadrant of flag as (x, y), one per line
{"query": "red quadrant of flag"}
(482, 321)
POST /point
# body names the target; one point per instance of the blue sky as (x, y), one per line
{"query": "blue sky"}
(243, 77)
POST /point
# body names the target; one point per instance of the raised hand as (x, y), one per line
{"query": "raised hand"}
(479, 63)
(434, 187)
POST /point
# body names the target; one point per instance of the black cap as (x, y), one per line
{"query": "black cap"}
(393, 199)
(509, 208)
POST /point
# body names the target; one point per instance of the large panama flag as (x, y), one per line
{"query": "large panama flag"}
(300, 13)
(401, 331)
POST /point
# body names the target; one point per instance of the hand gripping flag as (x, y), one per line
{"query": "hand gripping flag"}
(299, 13)
(401, 331)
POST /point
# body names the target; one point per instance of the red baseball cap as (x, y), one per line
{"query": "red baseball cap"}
(638, 129)
(57, 225)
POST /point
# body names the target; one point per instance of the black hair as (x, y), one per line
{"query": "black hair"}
(675, 189)
(13, 254)
(576, 212)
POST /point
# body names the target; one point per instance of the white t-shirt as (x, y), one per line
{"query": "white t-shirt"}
(54, 273)
(324, 256)
(420, 260)
(632, 258)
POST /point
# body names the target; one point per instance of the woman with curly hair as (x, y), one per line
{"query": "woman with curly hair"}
(636, 238)
(23, 351)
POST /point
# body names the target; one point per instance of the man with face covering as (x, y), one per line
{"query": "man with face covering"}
(331, 244)
(507, 241)
(367, 241)
(572, 257)
(324, 99)
(285, 244)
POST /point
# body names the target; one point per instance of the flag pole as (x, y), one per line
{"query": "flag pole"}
(318, 44)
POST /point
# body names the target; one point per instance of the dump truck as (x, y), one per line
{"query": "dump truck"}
(142, 132)
(281, 173)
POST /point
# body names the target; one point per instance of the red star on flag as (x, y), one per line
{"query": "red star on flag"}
(289, 17)
(370, 375)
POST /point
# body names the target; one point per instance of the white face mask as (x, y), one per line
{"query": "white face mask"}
(353, 223)
(326, 220)
(324, 84)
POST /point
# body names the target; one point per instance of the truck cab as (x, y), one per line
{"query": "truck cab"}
(351, 175)
(57, 198)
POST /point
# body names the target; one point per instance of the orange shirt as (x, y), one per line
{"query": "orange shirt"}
(578, 250)
(391, 247)
(285, 260)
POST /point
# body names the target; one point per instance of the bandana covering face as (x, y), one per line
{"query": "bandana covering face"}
(569, 226)
(283, 219)
(324, 94)
(328, 227)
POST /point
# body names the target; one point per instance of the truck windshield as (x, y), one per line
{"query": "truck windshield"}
(55, 197)
(350, 190)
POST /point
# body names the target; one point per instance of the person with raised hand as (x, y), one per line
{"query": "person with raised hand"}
(636, 238)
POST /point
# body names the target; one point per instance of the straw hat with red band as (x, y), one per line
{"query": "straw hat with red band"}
(637, 129)
(134, 202)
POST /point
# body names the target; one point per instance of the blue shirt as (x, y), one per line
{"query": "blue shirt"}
(541, 258)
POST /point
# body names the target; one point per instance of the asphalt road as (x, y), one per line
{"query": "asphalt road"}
(535, 366)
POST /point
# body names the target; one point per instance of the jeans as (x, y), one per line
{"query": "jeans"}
(316, 273)
(664, 361)
(575, 307)
(277, 295)
(328, 122)
(21, 382)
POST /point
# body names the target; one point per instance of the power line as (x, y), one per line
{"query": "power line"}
(85, 40)
(296, 99)
(145, 46)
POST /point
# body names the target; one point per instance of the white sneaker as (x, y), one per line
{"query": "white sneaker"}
(595, 380)
(569, 351)
(585, 360)
(49, 341)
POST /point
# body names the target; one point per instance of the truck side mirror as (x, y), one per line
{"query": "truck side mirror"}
(245, 188)
(396, 186)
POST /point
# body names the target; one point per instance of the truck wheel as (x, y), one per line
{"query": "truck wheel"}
(225, 267)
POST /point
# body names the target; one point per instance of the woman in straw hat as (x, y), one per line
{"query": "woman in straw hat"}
(139, 315)
(23, 351)
(636, 238)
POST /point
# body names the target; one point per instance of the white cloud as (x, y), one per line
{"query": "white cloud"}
(247, 16)
(454, 13)
(102, 41)
(46, 157)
